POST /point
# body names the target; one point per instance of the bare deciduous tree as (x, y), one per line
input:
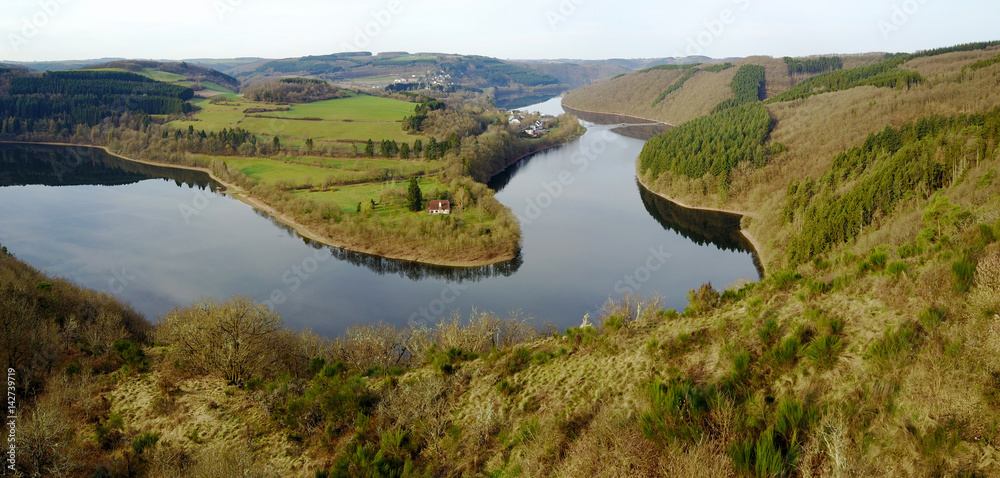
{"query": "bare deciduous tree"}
(232, 339)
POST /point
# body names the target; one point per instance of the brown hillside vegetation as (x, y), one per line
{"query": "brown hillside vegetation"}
(635, 93)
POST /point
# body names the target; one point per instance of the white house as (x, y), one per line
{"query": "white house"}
(438, 206)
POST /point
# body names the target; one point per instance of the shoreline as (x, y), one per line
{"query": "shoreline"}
(564, 105)
(527, 155)
(300, 229)
(745, 233)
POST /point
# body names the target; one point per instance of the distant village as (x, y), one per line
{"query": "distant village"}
(441, 78)
(535, 129)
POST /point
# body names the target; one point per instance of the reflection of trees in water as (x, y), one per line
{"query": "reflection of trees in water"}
(411, 270)
(503, 178)
(51, 165)
(719, 229)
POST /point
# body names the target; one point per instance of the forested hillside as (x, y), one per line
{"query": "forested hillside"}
(65, 99)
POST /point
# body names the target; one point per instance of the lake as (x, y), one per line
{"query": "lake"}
(162, 238)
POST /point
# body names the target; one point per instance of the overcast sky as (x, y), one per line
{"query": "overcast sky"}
(514, 29)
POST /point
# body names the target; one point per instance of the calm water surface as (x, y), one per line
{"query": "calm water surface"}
(162, 238)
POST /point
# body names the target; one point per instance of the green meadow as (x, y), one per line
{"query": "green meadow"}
(348, 197)
(356, 118)
(303, 172)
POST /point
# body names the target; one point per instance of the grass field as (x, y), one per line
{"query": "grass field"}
(327, 130)
(348, 197)
(308, 171)
(355, 108)
(162, 75)
(357, 118)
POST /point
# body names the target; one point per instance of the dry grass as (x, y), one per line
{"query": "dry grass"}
(634, 94)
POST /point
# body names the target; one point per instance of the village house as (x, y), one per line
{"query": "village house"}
(438, 206)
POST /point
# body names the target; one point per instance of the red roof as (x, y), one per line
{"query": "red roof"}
(438, 204)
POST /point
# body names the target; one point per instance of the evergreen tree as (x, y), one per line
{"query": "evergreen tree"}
(370, 149)
(413, 196)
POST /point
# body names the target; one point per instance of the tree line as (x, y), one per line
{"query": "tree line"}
(813, 65)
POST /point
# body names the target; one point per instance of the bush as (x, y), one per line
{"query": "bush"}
(235, 339)
(932, 317)
(823, 351)
(964, 271)
(895, 342)
(784, 278)
(785, 353)
(131, 353)
(876, 261)
(702, 299)
(678, 411)
(613, 323)
(109, 433)
(896, 268)
(518, 360)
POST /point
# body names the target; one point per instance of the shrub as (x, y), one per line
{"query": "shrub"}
(823, 351)
(613, 323)
(109, 433)
(702, 299)
(875, 262)
(144, 441)
(669, 314)
(448, 362)
(769, 332)
(678, 411)
(964, 271)
(784, 278)
(234, 339)
(896, 268)
(932, 317)
(785, 353)
(518, 360)
(895, 342)
(131, 353)
(373, 345)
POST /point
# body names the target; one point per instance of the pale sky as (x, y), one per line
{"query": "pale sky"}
(43, 30)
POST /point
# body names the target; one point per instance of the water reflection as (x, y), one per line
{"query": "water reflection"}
(45, 165)
(719, 229)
